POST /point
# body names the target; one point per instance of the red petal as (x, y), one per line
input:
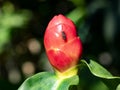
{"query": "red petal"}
(62, 44)
(53, 36)
(60, 19)
(73, 49)
(59, 60)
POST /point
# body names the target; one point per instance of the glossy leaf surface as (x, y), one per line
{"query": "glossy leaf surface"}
(98, 71)
(48, 81)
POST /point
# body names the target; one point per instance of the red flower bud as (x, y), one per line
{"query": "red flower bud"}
(63, 46)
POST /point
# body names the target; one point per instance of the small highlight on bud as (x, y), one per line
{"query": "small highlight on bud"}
(63, 46)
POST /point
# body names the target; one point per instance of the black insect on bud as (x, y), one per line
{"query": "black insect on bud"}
(64, 36)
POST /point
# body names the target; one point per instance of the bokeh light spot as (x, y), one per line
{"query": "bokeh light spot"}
(14, 76)
(34, 46)
(28, 68)
(105, 58)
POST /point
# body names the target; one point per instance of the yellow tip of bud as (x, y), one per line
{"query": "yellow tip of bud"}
(68, 73)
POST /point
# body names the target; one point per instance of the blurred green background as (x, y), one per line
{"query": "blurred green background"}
(22, 27)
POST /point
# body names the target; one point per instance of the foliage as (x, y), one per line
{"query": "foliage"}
(46, 80)
(8, 18)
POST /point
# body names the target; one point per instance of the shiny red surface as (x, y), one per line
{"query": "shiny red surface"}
(63, 46)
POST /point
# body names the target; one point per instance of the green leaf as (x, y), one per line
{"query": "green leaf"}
(97, 70)
(78, 2)
(9, 18)
(118, 87)
(77, 15)
(48, 81)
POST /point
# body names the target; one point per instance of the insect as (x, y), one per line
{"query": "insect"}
(64, 36)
